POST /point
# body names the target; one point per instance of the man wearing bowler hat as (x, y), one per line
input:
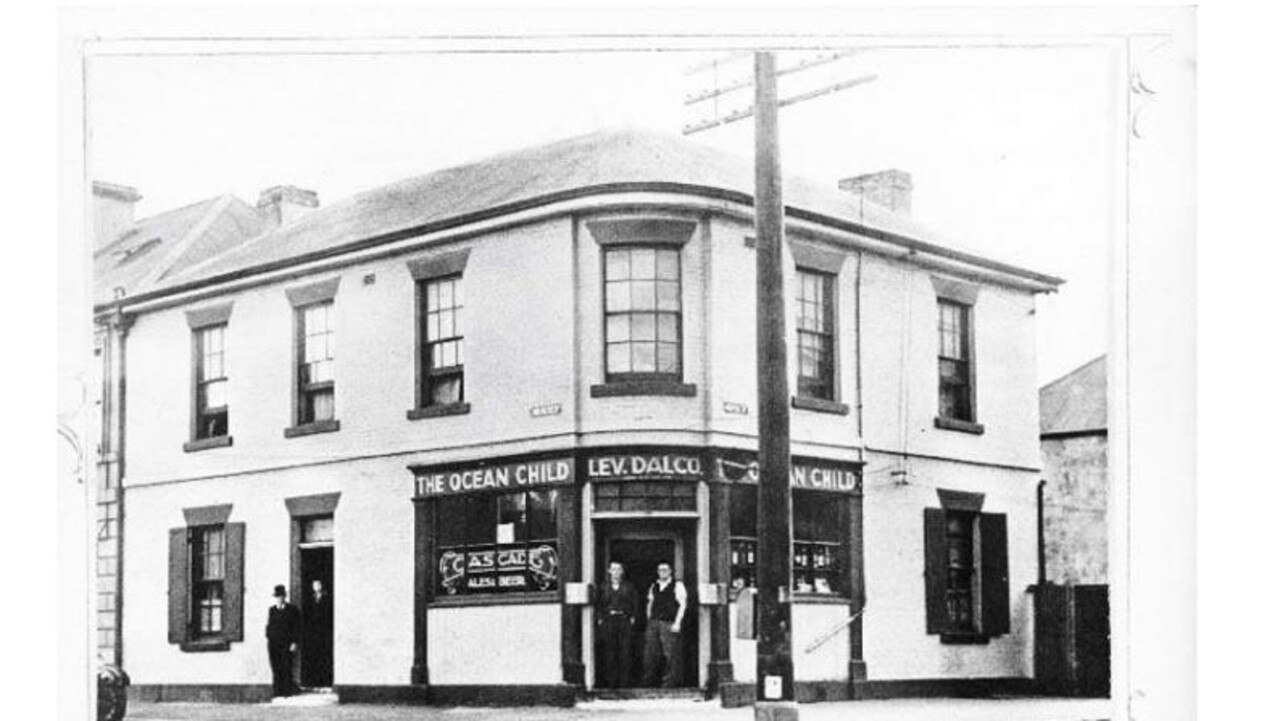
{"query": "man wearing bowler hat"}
(283, 620)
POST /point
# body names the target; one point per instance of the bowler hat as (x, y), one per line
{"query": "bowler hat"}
(280, 592)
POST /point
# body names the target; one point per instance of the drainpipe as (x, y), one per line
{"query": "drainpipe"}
(1040, 577)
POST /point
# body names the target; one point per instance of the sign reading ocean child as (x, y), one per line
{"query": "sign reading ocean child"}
(517, 476)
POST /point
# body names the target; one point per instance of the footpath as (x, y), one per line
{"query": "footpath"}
(934, 709)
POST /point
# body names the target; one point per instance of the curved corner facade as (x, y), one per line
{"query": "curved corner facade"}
(457, 431)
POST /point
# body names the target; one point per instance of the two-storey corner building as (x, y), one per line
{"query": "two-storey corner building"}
(455, 398)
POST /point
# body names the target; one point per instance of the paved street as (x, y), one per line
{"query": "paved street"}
(893, 710)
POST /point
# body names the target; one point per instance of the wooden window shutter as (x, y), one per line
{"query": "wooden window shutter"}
(995, 574)
(179, 590)
(233, 584)
(935, 571)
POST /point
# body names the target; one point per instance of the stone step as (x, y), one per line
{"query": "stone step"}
(309, 697)
(629, 694)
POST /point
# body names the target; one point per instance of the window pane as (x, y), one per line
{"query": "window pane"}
(317, 529)
(215, 394)
(644, 358)
(618, 328)
(619, 358)
(433, 326)
(321, 406)
(643, 326)
(642, 263)
(617, 265)
(668, 358)
(668, 327)
(742, 511)
(451, 521)
(542, 515)
(669, 264)
(617, 296)
(447, 389)
(668, 295)
(643, 295)
(511, 518)
(433, 296)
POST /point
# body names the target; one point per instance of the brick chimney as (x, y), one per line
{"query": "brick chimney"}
(286, 203)
(888, 188)
(112, 211)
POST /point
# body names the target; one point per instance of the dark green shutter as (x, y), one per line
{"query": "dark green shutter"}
(233, 584)
(995, 574)
(935, 571)
(179, 591)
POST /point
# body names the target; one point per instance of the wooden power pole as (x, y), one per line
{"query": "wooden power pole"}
(775, 676)
(775, 671)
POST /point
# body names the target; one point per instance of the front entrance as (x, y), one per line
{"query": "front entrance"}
(315, 595)
(640, 546)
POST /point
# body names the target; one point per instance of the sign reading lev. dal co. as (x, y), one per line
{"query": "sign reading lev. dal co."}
(496, 477)
(644, 465)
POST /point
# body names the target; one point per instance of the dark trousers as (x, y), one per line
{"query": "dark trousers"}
(660, 643)
(615, 651)
(281, 668)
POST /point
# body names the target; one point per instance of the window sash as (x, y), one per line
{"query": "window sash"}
(441, 352)
(962, 570)
(210, 382)
(643, 313)
(955, 384)
(815, 335)
(208, 573)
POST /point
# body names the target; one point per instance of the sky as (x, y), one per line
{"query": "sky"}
(1012, 150)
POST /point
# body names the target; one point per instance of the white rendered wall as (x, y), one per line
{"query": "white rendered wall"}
(373, 572)
(895, 645)
(828, 662)
(510, 644)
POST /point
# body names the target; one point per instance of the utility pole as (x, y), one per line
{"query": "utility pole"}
(775, 670)
(775, 676)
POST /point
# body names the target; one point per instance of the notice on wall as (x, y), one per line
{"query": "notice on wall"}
(493, 477)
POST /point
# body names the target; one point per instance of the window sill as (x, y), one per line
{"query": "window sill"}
(206, 644)
(204, 444)
(307, 429)
(966, 638)
(953, 424)
(821, 405)
(446, 409)
(506, 599)
(815, 598)
(644, 388)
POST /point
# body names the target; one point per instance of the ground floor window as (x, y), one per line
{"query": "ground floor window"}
(815, 524)
(966, 573)
(497, 543)
(206, 581)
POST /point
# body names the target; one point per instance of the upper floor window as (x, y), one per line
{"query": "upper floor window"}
(210, 425)
(815, 342)
(315, 364)
(211, 382)
(441, 356)
(441, 378)
(955, 372)
(642, 313)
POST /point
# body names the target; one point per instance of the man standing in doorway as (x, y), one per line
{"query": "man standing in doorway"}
(282, 640)
(616, 612)
(667, 601)
(317, 642)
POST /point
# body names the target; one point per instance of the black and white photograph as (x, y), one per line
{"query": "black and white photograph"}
(441, 366)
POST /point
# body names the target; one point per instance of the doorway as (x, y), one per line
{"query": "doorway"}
(314, 576)
(640, 547)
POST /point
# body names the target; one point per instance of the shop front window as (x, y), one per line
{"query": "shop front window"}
(815, 519)
(497, 543)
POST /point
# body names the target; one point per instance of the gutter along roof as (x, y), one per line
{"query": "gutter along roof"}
(600, 163)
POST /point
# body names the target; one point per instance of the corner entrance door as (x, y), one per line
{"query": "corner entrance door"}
(315, 599)
(639, 551)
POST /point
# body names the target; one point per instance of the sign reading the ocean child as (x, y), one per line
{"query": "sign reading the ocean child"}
(806, 474)
(520, 475)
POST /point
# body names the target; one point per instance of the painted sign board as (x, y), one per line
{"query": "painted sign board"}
(514, 476)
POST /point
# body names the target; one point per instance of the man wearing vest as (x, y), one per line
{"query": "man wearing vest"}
(667, 601)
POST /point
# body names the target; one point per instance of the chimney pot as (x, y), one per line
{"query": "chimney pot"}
(888, 188)
(283, 204)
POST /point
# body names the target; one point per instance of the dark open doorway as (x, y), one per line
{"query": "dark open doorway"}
(639, 548)
(314, 577)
